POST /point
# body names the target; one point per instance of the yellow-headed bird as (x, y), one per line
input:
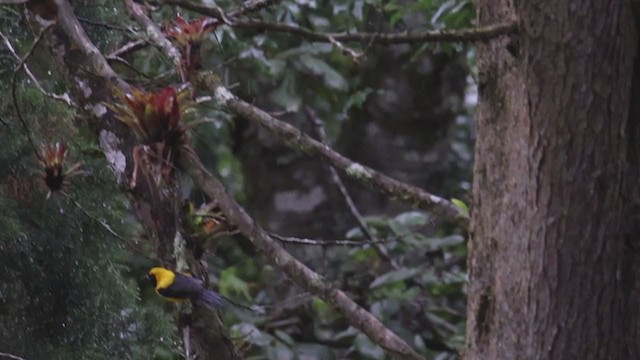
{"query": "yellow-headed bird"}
(178, 287)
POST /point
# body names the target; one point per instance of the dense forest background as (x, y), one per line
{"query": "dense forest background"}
(363, 179)
(71, 264)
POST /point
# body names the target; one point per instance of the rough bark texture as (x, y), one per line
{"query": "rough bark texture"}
(551, 269)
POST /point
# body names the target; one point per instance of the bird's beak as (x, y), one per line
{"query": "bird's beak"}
(152, 279)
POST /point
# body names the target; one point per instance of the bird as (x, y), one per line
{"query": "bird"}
(179, 288)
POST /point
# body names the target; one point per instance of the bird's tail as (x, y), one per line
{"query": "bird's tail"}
(209, 299)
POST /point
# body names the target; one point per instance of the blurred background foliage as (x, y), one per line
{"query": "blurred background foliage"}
(70, 289)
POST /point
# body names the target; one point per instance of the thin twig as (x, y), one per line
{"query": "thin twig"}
(356, 56)
(63, 98)
(126, 64)
(129, 48)
(337, 181)
(294, 240)
(419, 37)
(14, 95)
(213, 10)
(99, 221)
(104, 25)
(110, 230)
(14, 357)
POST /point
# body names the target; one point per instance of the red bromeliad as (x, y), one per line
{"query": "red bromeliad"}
(153, 116)
(188, 36)
(56, 176)
(156, 119)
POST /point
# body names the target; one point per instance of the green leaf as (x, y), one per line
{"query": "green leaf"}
(318, 67)
(356, 100)
(230, 283)
(311, 49)
(279, 352)
(286, 95)
(284, 337)
(355, 233)
(445, 242)
(412, 219)
(367, 348)
(394, 276)
(461, 206)
(320, 306)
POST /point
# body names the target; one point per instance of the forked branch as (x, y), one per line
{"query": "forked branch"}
(297, 271)
(277, 254)
(363, 174)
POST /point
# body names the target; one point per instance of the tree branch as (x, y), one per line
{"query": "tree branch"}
(214, 11)
(64, 98)
(461, 35)
(294, 240)
(137, 12)
(14, 90)
(305, 277)
(299, 140)
(297, 271)
(363, 174)
(351, 205)
(13, 357)
(245, 8)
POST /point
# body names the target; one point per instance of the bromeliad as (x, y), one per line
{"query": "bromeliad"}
(56, 174)
(204, 224)
(156, 118)
(188, 37)
(153, 116)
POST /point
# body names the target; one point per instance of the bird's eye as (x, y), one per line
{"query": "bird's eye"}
(152, 279)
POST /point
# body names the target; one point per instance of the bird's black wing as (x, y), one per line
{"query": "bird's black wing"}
(183, 287)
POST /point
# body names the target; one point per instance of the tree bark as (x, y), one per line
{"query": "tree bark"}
(552, 274)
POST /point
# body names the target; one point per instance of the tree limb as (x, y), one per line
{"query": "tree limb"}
(137, 12)
(230, 18)
(297, 271)
(418, 37)
(461, 35)
(64, 97)
(294, 240)
(246, 7)
(276, 253)
(363, 174)
(214, 11)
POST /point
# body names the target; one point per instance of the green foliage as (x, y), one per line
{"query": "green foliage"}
(461, 205)
(66, 284)
(64, 288)
(230, 283)
(422, 300)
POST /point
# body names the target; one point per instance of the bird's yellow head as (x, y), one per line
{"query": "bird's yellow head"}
(160, 277)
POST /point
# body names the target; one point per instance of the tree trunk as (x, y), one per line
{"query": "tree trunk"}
(552, 274)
